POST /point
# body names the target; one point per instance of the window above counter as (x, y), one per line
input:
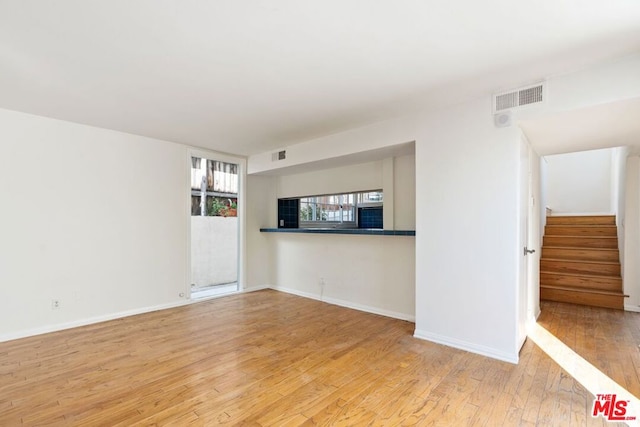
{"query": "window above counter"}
(355, 210)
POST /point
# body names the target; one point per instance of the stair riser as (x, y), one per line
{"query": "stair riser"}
(581, 220)
(558, 230)
(580, 254)
(583, 298)
(596, 283)
(580, 262)
(578, 267)
(581, 242)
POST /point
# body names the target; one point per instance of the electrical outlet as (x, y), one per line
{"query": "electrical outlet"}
(55, 304)
(321, 282)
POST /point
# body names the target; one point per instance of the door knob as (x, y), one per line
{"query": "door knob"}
(528, 251)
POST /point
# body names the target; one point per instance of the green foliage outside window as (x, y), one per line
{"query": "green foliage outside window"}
(217, 206)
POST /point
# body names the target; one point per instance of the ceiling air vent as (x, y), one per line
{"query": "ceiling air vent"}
(279, 155)
(518, 97)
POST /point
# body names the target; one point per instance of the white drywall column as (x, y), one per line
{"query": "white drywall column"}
(404, 197)
(388, 194)
(467, 231)
(631, 278)
(618, 194)
(262, 209)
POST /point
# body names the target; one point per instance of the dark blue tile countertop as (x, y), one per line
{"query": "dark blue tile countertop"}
(366, 231)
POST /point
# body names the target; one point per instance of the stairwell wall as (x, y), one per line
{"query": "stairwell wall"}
(631, 277)
(618, 195)
(580, 183)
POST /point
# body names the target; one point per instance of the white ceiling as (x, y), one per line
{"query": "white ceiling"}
(247, 76)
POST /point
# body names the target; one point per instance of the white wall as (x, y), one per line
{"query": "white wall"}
(94, 218)
(618, 179)
(542, 207)
(374, 273)
(631, 278)
(467, 232)
(404, 184)
(618, 195)
(345, 179)
(214, 250)
(579, 182)
(379, 135)
(262, 212)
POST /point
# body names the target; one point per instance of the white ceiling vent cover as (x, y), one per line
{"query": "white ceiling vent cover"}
(279, 155)
(520, 97)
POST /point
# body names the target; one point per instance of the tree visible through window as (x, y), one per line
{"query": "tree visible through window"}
(214, 188)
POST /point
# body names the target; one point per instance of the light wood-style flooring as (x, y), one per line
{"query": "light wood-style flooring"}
(272, 359)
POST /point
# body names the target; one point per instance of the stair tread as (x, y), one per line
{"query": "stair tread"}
(568, 215)
(576, 248)
(597, 276)
(582, 225)
(584, 290)
(580, 216)
(580, 261)
(580, 236)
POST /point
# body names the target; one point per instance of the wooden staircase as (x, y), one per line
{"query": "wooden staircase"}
(580, 263)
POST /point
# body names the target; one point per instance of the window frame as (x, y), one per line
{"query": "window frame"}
(341, 224)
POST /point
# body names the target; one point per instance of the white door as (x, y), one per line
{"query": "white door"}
(524, 249)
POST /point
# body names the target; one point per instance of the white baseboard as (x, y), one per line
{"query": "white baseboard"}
(467, 346)
(117, 315)
(256, 288)
(296, 292)
(126, 313)
(534, 319)
(90, 321)
(633, 308)
(347, 304)
(520, 344)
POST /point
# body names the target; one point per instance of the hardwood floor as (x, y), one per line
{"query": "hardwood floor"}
(608, 339)
(269, 358)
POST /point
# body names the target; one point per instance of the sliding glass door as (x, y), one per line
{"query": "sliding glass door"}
(214, 227)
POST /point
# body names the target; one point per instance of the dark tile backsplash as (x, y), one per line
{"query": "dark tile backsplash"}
(370, 217)
(288, 213)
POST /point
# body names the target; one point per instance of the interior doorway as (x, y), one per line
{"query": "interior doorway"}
(214, 227)
(524, 248)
